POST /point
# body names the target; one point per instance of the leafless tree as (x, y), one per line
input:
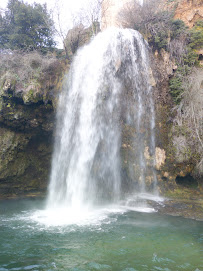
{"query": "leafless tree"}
(59, 29)
(133, 13)
(84, 24)
(92, 14)
(178, 49)
(190, 113)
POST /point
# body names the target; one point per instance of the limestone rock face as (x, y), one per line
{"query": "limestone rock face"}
(189, 11)
(160, 157)
(174, 157)
(24, 163)
(26, 129)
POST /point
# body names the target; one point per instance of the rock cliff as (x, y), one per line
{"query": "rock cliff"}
(27, 120)
(189, 11)
(182, 172)
(178, 170)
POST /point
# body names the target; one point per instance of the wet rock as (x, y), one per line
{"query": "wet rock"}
(188, 208)
(160, 155)
(26, 139)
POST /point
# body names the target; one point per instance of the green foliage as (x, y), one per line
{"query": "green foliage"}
(176, 88)
(191, 58)
(163, 32)
(156, 29)
(193, 41)
(178, 28)
(159, 41)
(196, 36)
(3, 31)
(160, 29)
(27, 27)
(176, 83)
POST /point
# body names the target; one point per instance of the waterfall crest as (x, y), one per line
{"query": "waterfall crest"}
(107, 86)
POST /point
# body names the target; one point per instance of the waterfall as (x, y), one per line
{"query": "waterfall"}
(106, 88)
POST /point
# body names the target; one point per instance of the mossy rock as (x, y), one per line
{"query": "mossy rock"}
(32, 95)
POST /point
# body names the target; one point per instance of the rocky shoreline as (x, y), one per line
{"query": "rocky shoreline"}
(187, 208)
(191, 208)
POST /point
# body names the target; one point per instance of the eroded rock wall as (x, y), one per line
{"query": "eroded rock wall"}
(189, 11)
(176, 164)
(27, 120)
(174, 148)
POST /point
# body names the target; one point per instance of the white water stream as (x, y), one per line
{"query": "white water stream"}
(108, 85)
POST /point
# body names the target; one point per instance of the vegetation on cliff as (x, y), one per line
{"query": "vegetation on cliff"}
(30, 79)
(25, 26)
(31, 76)
(177, 49)
(29, 87)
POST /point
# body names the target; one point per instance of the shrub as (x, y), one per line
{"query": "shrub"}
(189, 114)
(163, 32)
(22, 69)
(26, 27)
(196, 36)
(176, 89)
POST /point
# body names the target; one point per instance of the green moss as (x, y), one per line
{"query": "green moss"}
(13, 83)
(182, 193)
(180, 130)
(32, 96)
(48, 107)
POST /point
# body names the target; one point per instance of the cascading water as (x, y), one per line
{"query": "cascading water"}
(107, 88)
(104, 152)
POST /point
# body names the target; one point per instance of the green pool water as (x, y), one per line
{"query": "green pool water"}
(110, 239)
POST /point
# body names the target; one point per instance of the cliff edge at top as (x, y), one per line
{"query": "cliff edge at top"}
(189, 11)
